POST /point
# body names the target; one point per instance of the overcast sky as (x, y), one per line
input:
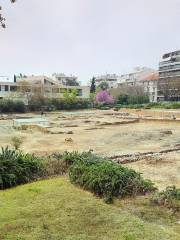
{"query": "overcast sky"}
(87, 37)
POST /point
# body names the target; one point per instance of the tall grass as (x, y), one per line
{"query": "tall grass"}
(18, 168)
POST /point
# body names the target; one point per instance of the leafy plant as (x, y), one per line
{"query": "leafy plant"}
(170, 198)
(64, 104)
(70, 95)
(105, 178)
(93, 85)
(171, 105)
(103, 85)
(11, 106)
(18, 168)
(16, 142)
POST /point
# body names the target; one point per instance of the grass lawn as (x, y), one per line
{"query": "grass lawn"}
(55, 209)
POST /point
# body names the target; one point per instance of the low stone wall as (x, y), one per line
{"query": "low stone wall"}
(129, 158)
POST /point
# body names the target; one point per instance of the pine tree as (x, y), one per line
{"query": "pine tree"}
(93, 85)
(14, 78)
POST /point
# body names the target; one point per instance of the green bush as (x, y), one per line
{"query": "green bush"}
(16, 142)
(127, 99)
(135, 106)
(170, 198)
(175, 105)
(64, 104)
(11, 106)
(162, 105)
(105, 178)
(100, 176)
(57, 164)
(60, 104)
(136, 99)
(18, 168)
(104, 108)
(19, 106)
(123, 98)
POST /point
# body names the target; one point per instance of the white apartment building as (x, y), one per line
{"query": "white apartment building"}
(110, 79)
(130, 79)
(65, 79)
(150, 85)
(5, 79)
(27, 85)
(133, 78)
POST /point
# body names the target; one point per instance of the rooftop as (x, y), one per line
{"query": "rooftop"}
(170, 54)
(150, 77)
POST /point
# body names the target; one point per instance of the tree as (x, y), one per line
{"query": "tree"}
(129, 95)
(93, 85)
(104, 97)
(2, 19)
(34, 93)
(15, 80)
(104, 85)
(16, 142)
(70, 95)
(127, 90)
(123, 98)
(24, 87)
(71, 82)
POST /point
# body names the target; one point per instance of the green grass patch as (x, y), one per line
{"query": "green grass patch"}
(160, 105)
(98, 175)
(62, 211)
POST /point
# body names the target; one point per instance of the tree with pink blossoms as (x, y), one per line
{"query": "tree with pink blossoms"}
(103, 97)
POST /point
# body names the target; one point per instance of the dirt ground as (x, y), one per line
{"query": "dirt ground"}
(107, 133)
(163, 170)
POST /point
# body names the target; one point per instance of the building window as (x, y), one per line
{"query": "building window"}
(13, 88)
(55, 90)
(79, 93)
(6, 88)
(62, 90)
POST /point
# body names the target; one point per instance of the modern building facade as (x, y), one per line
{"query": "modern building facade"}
(169, 77)
(5, 79)
(26, 86)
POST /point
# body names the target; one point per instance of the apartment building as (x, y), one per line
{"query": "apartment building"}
(169, 77)
(65, 79)
(110, 79)
(134, 77)
(5, 79)
(149, 83)
(25, 86)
